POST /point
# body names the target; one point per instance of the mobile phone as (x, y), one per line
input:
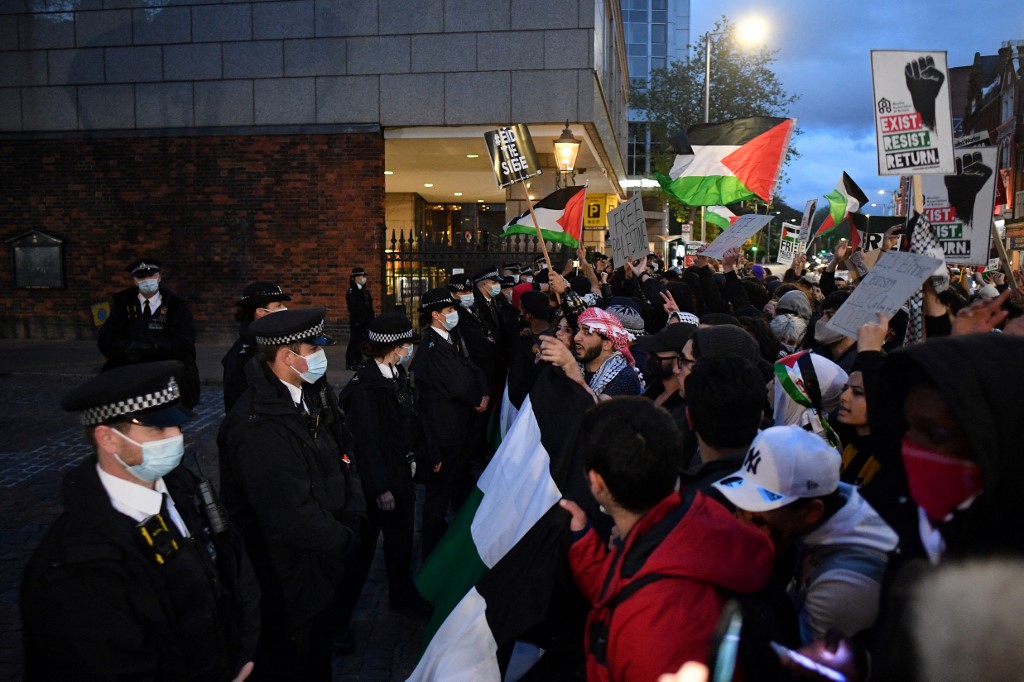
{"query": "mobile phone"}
(725, 643)
(575, 262)
(805, 662)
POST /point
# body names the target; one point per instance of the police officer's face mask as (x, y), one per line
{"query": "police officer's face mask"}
(148, 286)
(159, 457)
(494, 290)
(316, 364)
(405, 354)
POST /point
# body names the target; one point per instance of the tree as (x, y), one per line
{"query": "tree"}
(742, 84)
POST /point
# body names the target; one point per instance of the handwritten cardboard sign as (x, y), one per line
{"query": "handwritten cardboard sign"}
(745, 227)
(890, 283)
(627, 230)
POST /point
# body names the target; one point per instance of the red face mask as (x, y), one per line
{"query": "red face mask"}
(939, 483)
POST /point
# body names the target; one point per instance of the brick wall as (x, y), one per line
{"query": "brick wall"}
(219, 212)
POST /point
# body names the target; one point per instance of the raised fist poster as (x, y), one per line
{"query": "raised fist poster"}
(959, 205)
(913, 125)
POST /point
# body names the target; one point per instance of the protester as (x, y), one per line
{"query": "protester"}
(135, 580)
(662, 352)
(832, 344)
(603, 363)
(789, 485)
(381, 411)
(360, 312)
(852, 419)
(657, 594)
(806, 389)
(148, 323)
(453, 393)
(290, 488)
(258, 300)
(725, 406)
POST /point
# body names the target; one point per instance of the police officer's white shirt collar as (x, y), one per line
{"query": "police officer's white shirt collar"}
(387, 370)
(296, 394)
(154, 302)
(442, 332)
(137, 501)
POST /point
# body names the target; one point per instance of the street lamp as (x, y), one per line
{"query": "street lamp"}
(567, 147)
(748, 31)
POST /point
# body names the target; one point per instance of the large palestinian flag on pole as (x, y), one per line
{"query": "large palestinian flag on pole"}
(492, 575)
(560, 215)
(723, 163)
(845, 199)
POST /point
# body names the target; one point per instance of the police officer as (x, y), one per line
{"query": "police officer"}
(453, 392)
(381, 410)
(289, 486)
(360, 312)
(258, 299)
(148, 322)
(137, 578)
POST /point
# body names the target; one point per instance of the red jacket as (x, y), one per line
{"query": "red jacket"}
(702, 551)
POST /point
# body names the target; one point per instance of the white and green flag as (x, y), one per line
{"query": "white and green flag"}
(491, 576)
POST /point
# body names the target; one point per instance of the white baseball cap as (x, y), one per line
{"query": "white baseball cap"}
(784, 464)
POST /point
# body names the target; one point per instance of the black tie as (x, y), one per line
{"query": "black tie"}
(146, 312)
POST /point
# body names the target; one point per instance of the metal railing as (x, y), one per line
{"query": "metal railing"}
(414, 263)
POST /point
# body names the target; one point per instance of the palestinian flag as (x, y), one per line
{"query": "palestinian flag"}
(560, 215)
(845, 199)
(720, 215)
(798, 397)
(723, 163)
(491, 577)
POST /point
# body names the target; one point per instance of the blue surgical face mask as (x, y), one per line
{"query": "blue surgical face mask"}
(495, 290)
(466, 301)
(148, 286)
(316, 363)
(407, 358)
(450, 320)
(159, 457)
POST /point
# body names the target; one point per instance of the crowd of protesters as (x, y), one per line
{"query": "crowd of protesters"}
(745, 462)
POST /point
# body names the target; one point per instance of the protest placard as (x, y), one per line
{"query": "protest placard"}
(513, 157)
(959, 206)
(627, 230)
(789, 244)
(745, 227)
(913, 123)
(805, 221)
(890, 283)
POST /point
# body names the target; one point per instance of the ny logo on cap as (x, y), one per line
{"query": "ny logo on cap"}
(752, 461)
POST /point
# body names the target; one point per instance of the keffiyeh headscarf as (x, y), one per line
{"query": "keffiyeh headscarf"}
(610, 327)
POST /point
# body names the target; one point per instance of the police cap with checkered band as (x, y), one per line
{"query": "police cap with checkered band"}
(295, 325)
(145, 393)
(391, 329)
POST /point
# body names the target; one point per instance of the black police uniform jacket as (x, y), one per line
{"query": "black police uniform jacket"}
(170, 334)
(449, 387)
(289, 487)
(385, 427)
(234, 362)
(360, 305)
(96, 604)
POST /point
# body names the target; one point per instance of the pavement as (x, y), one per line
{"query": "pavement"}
(38, 442)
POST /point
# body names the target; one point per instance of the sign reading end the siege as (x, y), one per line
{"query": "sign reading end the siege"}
(913, 123)
(513, 157)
